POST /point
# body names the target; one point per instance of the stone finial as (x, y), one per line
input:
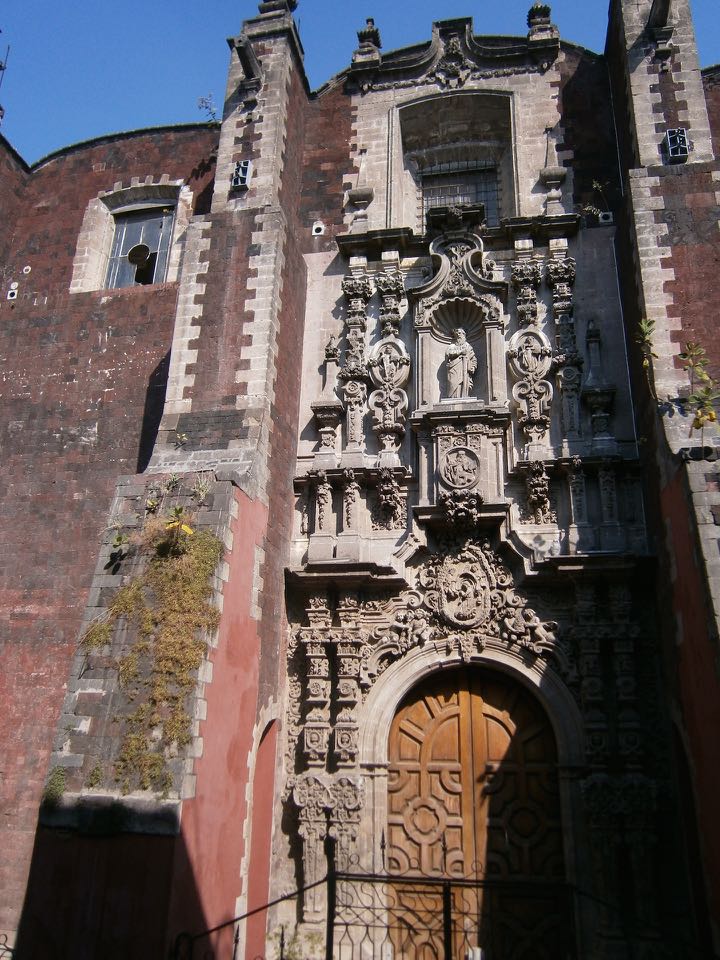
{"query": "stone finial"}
(541, 27)
(369, 39)
(369, 34)
(552, 176)
(539, 16)
(277, 6)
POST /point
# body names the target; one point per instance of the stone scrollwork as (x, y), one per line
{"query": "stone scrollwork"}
(464, 600)
(453, 68)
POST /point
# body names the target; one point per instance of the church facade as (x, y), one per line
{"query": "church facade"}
(361, 582)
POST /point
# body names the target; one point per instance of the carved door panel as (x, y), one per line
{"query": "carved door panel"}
(473, 796)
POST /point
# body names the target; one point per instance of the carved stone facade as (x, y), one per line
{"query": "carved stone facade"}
(463, 605)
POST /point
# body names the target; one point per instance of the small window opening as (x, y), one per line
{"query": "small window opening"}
(140, 248)
(241, 175)
(461, 182)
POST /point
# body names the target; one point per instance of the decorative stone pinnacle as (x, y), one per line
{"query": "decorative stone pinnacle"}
(369, 34)
(277, 6)
(538, 15)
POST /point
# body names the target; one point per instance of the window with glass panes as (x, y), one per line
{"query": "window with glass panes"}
(140, 248)
(461, 182)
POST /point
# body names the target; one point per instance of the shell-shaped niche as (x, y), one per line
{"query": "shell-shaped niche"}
(459, 312)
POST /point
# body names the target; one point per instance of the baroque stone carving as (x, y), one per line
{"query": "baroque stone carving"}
(391, 288)
(389, 511)
(464, 599)
(459, 468)
(460, 365)
(530, 360)
(537, 485)
(323, 502)
(461, 507)
(453, 68)
(526, 279)
(351, 496)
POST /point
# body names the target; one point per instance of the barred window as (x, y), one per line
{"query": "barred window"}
(141, 243)
(461, 182)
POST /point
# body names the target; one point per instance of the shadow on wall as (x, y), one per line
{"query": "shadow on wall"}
(97, 891)
(153, 411)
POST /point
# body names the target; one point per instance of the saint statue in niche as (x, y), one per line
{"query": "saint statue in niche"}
(460, 365)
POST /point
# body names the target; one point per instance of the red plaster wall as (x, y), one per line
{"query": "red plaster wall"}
(260, 843)
(79, 375)
(699, 690)
(213, 822)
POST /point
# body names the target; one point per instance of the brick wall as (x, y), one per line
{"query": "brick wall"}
(81, 377)
(13, 177)
(711, 84)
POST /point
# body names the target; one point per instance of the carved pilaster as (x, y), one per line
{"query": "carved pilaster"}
(599, 394)
(530, 356)
(611, 533)
(357, 289)
(313, 799)
(580, 538)
(592, 695)
(391, 288)
(347, 797)
(526, 278)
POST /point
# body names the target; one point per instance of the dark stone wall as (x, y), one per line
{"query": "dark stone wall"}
(586, 109)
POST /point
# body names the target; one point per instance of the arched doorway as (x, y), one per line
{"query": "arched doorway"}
(473, 799)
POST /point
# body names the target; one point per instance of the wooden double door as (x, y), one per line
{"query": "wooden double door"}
(473, 798)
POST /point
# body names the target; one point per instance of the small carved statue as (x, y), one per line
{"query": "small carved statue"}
(460, 365)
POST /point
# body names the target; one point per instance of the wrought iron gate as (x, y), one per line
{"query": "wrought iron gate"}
(418, 918)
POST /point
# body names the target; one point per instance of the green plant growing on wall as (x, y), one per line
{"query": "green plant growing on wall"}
(54, 786)
(201, 487)
(704, 392)
(168, 610)
(95, 777)
(172, 483)
(645, 339)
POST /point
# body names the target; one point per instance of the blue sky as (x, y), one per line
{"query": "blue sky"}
(79, 70)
